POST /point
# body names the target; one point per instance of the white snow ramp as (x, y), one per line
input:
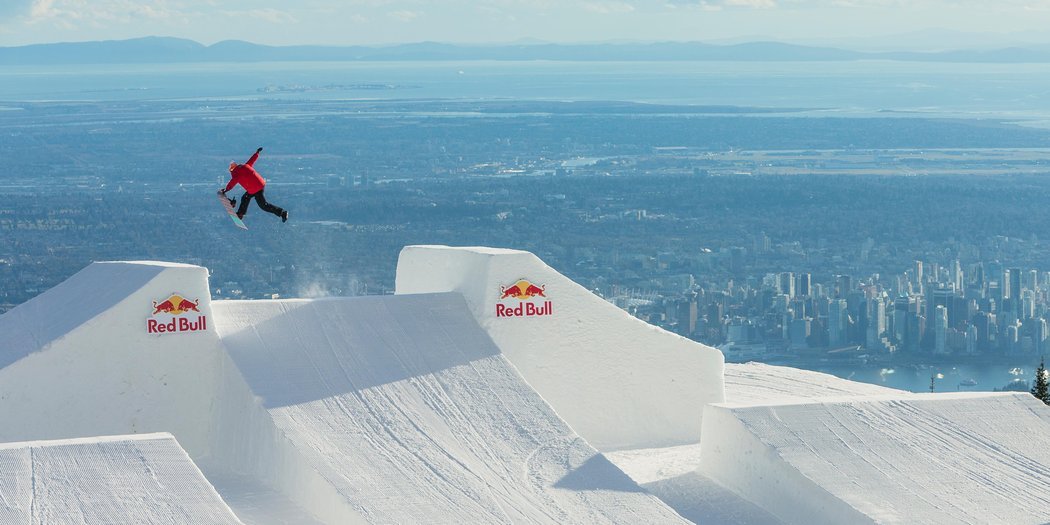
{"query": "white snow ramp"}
(617, 381)
(110, 352)
(408, 410)
(126, 479)
(921, 458)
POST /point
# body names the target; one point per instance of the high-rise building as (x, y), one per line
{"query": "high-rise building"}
(994, 293)
(1013, 285)
(876, 323)
(857, 307)
(916, 332)
(802, 285)
(957, 276)
(1040, 335)
(918, 277)
(959, 310)
(938, 295)
(902, 307)
(786, 284)
(687, 316)
(781, 303)
(971, 340)
(932, 273)
(799, 332)
(903, 286)
(817, 290)
(1011, 343)
(1026, 305)
(986, 331)
(837, 322)
(844, 283)
(940, 327)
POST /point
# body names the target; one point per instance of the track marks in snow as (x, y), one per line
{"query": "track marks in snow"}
(404, 405)
(125, 479)
(920, 459)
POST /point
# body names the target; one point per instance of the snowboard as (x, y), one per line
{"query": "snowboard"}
(232, 212)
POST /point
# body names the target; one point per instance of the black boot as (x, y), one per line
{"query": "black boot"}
(284, 215)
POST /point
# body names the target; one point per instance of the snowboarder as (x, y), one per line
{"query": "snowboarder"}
(253, 184)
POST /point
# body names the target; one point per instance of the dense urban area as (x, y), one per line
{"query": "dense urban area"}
(771, 235)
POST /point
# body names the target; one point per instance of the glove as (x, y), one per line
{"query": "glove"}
(258, 150)
(222, 191)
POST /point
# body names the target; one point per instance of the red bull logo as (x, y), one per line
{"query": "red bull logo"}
(525, 292)
(167, 316)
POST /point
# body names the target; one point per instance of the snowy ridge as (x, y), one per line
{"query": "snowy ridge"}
(124, 479)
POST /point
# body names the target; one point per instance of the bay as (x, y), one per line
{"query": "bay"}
(1010, 91)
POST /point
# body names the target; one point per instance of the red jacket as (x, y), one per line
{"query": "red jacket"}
(247, 177)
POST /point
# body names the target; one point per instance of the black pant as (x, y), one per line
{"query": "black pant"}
(261, 201)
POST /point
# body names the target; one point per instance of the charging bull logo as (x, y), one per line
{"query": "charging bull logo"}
(167, 316)
(525, 292)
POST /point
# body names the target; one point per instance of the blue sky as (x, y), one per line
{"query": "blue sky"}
(863, 23)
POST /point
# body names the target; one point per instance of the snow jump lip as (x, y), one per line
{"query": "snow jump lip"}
(60, 310)
(582, 354)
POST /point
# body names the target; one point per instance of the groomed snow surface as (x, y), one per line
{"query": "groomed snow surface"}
(490, 389)
(129, 479)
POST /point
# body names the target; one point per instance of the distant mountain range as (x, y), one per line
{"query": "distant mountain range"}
(165, 49)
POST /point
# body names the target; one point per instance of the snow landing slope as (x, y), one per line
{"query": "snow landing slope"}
(912, 458)
(408, 410)
(126, 479)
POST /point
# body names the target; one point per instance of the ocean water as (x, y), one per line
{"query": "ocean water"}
(947, 377)
(1012, 91)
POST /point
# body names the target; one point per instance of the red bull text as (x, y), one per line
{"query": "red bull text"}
(167, 316)
(525, 292)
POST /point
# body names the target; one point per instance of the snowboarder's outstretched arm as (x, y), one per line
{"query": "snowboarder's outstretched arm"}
(251, 161)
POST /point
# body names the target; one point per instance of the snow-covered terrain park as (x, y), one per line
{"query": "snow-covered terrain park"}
(489, 389)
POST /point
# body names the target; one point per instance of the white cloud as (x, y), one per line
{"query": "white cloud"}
(405, 15)
(269, 14)
(66, 12)
(608, 7)
(757, 4)
(42, 9)
(719, 5)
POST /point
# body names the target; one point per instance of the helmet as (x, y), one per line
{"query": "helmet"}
(233, 165)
